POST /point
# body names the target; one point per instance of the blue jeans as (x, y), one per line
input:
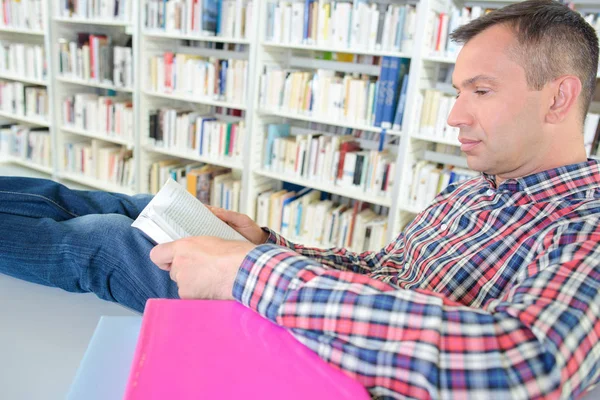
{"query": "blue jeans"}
(80, 241)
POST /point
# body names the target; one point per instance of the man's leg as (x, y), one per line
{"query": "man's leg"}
(94, 253)
(42, 198)
(80, 241)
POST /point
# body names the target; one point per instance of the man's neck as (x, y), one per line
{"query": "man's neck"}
(574, 158)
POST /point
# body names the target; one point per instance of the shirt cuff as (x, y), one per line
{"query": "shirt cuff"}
(265, 276)
(276, 238)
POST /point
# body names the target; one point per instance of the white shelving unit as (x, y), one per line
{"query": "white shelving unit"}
(413, 145)
(28, 164)
(93, 84)
(194, 99)
(324, 120)
(13, 77)
(27, 35)
(95, 183)
(157, 42)
(78, 131)
(120, 32)
(25, 119)
(257, 51)
(302, 56)
(327, 187)
(305, 47)
(198, 38)
(23, 31)
(92, 21)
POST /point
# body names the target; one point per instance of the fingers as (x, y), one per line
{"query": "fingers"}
(215, 210)
(173, 275)
(162, 255)
(225, 215)
(220, 213)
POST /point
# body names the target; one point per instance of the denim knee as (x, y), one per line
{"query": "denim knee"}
(119, 266)
(111, 238)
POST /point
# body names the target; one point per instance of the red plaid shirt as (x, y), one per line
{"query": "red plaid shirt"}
(489, 293)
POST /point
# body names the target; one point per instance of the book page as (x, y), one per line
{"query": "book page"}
(174, 213)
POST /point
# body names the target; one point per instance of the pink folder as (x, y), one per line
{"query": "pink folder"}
(200, 349)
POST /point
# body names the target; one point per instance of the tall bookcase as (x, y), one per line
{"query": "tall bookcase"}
(157, 43)
(22, 29)
(410, 145)
(75, 29)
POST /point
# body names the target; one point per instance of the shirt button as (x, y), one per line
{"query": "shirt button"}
(490, 192)
(443, 227)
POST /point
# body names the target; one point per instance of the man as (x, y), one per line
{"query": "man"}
(494, 290)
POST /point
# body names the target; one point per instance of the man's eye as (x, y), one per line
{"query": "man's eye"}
(481, 92)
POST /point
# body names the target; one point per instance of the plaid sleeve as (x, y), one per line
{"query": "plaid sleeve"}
(539, 340)
(378, 263)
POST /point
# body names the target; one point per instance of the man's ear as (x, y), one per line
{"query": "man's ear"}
(565, 92)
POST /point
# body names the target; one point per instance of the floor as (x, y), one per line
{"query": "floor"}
(44, 331)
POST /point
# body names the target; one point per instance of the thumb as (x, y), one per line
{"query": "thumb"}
(162, 255)
(218, 212)
(230, 217)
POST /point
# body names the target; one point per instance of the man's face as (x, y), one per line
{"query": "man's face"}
(499, 117)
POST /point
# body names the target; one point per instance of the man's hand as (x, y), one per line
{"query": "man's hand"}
(241, 223)
(203, 267)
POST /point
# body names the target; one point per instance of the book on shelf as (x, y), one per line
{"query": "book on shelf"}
(197, 76)
(289, 207)
(22, 99)
(23, 60)
(220, 18)
(106, 10)
(197, 134)
(439, 26)
(337, 96)
(159, 171)
(274, 131)
(428, 180)
(174, 213)
(123, 66)
(393, 72)
(591, 133)
(433, 111)
(362, 25)
(221, 190)
(96, 58)
(203, 181)
(36, 102)
(593, 19)
(105, 115)
(305, 218)
(99, 160)
(26, 143)
(200, 183)
(321, 157)
(23, 14)
(401, 105)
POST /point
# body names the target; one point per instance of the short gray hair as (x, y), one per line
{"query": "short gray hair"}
(553, 41)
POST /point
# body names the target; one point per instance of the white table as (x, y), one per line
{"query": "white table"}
(44, 333)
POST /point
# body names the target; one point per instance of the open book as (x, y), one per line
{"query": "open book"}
(174, 213)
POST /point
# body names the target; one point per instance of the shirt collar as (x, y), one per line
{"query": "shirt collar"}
(557, 182)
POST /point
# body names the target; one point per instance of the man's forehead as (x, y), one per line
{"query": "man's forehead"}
(473, 80)
(483, 61)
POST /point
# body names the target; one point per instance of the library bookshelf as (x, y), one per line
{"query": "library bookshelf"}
(254, 49)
